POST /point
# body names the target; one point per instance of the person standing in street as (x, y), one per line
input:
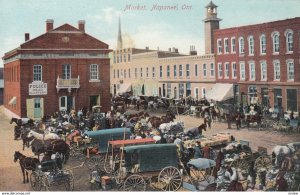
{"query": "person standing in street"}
(197, 150)
(238, 121)
(228, 118)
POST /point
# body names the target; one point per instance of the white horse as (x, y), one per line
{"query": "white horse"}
(172, 126)
(282, 151)
(43, 136)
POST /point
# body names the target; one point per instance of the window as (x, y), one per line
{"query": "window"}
(147, 72)
(275, 39)
(252, 71)
(290, 69)
(114, 59)
(141, 72)
(66, 71)
(37, 73)
(181, 90)
(276, 70)
(120, 57)
(128, 57)
(153, 72)
(251, 45)
(135, 72)
(220, 70)
(212, 70)
(234, 70)
(124, 57)
(219, 46)
(277, 97)
(124, 73)
(175, 71)
(118, 73)
(128, 73)
(187, 70)
(114, 73)
(188, 89)
(204, 70)
(242, 71)
(263, 44)
(252, 92)
(94, 72)
(226, 45)
(169, 90)
(291, 100)
(233, 49)
(180, 70)
(168, 71)
(160, 71)
(196, 70)
(263, 70)
(241, 45)
(289, 40)
(203, 92)
(226, 70)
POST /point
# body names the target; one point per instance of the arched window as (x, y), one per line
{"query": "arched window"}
(289, 40)
(275, 38)
(263, 44)
(241, 45)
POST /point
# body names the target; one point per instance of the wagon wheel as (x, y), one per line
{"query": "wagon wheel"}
(45, 184)
(35, 181)
(92, 162)
(262, 162)
(119, 175)
(170, 178)
(134, 183)
(69, 184)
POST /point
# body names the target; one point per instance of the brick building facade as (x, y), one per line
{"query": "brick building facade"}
(58, 70)
(262, 61)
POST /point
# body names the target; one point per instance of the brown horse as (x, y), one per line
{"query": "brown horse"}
(26, 163)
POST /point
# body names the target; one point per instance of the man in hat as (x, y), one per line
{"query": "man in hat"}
(206, 151)
(197, 150)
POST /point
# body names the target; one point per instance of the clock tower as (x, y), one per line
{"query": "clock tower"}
(211, 22)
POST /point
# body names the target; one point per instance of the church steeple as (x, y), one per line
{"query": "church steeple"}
(119, 43)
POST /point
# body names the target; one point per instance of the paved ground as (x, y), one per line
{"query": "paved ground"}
(10, 172)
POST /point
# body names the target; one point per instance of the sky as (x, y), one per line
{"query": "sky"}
(162, 29)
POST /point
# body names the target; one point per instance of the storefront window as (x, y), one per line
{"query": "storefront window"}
(291, 100)
(278, 97)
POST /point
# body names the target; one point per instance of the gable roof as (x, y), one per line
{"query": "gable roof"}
(64, 37)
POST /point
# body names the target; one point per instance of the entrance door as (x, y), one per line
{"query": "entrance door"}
(65, 103)
(94, 100)
(37, 108)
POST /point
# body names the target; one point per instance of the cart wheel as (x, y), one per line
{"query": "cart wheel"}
(69, 184)
(262, 162)
(170, 179)
(35, 181)
(45, 185)
(134, 183)
(119, 175)
(92, 162)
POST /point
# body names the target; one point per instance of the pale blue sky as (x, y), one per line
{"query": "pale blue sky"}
(163, 29)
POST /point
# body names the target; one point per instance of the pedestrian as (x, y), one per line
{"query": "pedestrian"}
(281, 184)
(228, 118)
(206, 151)
(238, 121)
(197, 150)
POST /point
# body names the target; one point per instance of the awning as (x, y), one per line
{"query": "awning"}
(220, 92)
(125, 88)
(13, 101)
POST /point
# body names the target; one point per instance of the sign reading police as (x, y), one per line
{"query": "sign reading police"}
(38, 88)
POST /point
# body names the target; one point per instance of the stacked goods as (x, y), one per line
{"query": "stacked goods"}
(215, 140)
(106, 183)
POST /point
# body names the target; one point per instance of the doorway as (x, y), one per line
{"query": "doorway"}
(94, 100)
(66, 103)
(37, 108)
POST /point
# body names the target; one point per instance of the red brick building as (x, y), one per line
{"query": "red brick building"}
(58, 70)
(261, 61)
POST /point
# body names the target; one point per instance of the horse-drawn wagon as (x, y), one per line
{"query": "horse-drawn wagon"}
(155, 164)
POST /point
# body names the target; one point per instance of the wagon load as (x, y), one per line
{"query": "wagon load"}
(215, 140)
(172, 127)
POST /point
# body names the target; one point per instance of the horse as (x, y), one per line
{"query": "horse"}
(22, 121)
(42, 136)
(51, 147)
(280, 152)
(26, 163)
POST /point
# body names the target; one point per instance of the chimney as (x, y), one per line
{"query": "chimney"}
(49, 25)
(176, 50)
(81, 25)
(27, 37)
(147, 48)
(170, 50)
(192, 50)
